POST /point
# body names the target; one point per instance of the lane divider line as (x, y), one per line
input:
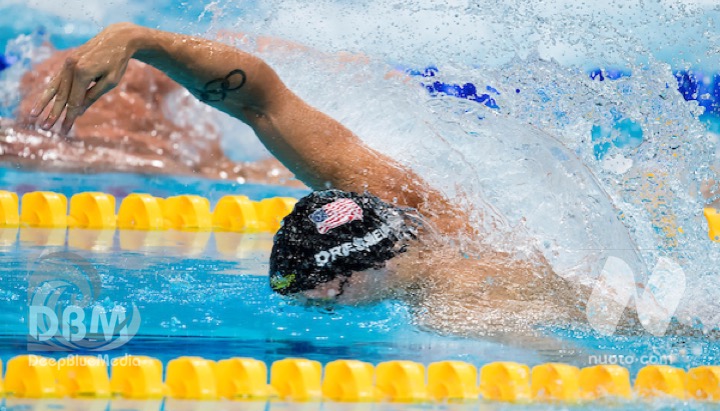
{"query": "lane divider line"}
(304, 380)
(138, 211)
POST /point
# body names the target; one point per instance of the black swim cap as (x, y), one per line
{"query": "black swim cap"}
(333, 233)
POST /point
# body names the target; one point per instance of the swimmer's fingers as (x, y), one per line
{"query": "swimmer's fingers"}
(61, 97)
(82, 79)
(102, 86)
(46, 97)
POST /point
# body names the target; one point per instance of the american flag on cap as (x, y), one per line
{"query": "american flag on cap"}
(335, 214)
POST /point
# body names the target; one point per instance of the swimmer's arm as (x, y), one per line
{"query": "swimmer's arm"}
(319, 150)
(325, 154)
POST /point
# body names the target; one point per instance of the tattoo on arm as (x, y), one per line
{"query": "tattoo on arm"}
(216, 90)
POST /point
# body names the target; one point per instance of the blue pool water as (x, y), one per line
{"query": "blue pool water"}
(491, 101)
(207, 294)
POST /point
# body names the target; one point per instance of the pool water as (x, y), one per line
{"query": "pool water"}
(202, 293)
(207, 294)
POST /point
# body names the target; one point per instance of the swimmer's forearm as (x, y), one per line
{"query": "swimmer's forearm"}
(245, 87)
(217, 74)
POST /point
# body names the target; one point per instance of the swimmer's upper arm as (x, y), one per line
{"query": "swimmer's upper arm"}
(325, 154)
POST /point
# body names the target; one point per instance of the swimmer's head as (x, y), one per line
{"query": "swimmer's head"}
(331, 234)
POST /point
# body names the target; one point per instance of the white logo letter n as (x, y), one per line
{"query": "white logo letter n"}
(610, 296)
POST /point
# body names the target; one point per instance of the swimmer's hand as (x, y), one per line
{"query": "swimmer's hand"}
(217, 74)
(90, 71)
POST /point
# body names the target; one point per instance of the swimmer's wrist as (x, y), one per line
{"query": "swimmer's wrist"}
(141, 40)
(155, 47)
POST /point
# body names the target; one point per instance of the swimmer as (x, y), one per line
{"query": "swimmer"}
(371, 230)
